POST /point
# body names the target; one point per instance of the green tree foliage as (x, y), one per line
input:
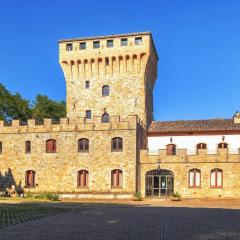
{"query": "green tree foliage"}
(13, 106)
(46, 108)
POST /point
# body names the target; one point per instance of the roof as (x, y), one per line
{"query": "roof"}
(105, 36)
(193, 126)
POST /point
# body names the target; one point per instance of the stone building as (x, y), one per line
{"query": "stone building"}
(108, 146)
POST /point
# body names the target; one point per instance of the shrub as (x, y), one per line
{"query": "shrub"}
(138, 196)
(177, 195)
(43, 196)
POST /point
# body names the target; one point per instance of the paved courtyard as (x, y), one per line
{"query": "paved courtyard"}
(154, 220)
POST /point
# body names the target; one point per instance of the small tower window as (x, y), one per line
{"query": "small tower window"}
(83, 145)
(109, 43)
(105, 90)
(124, 42)
(87, 84)
(117, 144)
(105, 118)
(69, 47)
(88, 114)
(138, 40)
(96, 44)
(82, 45)
(27, 147)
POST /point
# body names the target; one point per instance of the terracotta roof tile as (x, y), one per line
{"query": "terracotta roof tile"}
(194, 125)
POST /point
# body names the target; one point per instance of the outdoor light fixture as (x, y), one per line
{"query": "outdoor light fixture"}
(171, 139)
(223, 138)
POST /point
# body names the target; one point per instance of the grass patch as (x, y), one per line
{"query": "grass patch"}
(18, 213)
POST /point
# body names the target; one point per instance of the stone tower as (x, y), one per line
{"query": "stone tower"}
(110, 74)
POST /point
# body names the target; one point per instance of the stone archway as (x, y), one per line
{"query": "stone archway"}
(159, 183)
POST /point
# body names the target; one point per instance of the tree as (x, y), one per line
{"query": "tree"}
(13, 106)
(44, 107)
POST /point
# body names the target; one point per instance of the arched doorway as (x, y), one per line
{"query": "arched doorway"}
(159, 183)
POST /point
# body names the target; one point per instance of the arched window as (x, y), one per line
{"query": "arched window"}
(51, 146)
(82, 179)
(222, 145)
(201, 146)
(1, 147)
(194, 178)
(116, 178)
(216, 179)
(30, 178)
(171, 149)
(83, 145)
(105, 90)
(117, 144)
(105, 118)
(27, 147)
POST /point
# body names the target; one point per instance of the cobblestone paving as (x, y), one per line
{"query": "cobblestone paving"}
(105, 221)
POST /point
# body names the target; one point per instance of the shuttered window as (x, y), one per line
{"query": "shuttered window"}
(116, 178)
(30, 178)
(51, 146)
(171, 149)
(216, 179)
(27, 147)
(194, 178)
(82, 179)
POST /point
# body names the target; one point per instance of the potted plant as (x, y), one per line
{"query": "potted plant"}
(176, 196)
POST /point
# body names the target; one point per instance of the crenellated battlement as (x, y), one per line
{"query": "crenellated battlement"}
(69, 124)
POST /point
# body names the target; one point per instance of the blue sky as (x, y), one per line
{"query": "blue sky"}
(198, 43)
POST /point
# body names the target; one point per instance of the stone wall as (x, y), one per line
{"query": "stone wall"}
(182, 163)
(57, 172)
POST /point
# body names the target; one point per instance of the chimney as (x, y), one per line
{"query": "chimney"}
(236, 117)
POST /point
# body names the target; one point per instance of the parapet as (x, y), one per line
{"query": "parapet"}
(69, 125)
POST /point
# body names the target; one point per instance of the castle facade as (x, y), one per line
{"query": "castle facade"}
(108, 146)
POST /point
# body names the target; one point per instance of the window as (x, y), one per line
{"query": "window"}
(82, 179)
(69, 47)
(0, 147)
(105, 118)
(107, 61)
(216, 180)
(124, 42)
(30, 178)
(116, 178)
(171, 149)
(109, 43)
(201, 146)
(222, 145)
(138, 40)
(82, 45)
(88, 114)
(105, 90)
(96, 44)
(87, 84)
(27, 147)
(83, 145)
(117, 144)
(51, 146)
(194, 178)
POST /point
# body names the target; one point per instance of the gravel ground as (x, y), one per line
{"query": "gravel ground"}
(103, 221)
